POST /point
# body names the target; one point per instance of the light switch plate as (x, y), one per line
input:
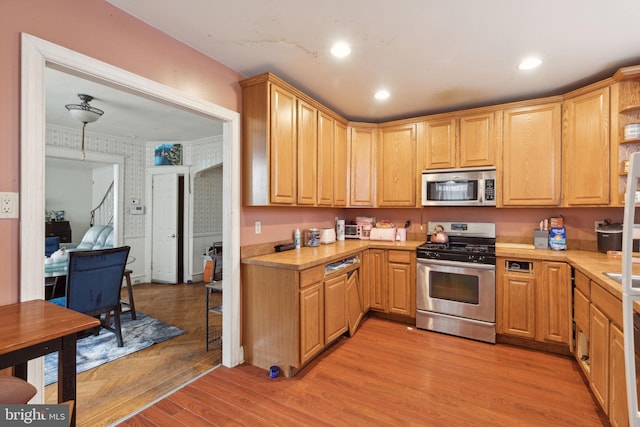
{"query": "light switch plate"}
(9, 205)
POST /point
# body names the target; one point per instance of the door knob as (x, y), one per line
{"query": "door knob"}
(172, 235)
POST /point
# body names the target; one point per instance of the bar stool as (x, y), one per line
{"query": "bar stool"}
(14, 390)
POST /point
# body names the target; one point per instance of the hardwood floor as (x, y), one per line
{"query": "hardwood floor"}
(114, 390)
(391, 375)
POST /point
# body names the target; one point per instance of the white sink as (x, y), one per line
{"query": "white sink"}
(635, 279)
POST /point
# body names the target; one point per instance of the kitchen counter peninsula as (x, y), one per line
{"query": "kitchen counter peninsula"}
(307, 257)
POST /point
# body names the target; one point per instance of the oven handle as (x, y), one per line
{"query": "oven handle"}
(457, 264)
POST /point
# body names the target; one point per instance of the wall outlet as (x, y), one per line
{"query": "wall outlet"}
(597, 224)
(8, 205)
(258, 226)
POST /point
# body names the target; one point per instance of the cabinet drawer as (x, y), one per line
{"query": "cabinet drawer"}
(403, 257)
(311, 276)
(581, 311)
(582, 283)
(607, 303)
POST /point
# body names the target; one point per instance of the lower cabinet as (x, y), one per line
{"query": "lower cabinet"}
(290, 316)
(393, 281)
(335, 307)
(533, 300)
(599, 346)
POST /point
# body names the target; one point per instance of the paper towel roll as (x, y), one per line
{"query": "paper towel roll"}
(340, 229)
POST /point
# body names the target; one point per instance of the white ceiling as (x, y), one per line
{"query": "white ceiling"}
(431, 55)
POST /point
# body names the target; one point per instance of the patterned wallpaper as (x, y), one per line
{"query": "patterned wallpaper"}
(200, 155)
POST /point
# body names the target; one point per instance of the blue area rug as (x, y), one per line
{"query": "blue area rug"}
(94, 351)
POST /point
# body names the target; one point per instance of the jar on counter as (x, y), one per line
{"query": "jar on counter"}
(312, 237)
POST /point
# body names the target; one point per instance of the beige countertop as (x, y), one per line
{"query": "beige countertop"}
(307, 257)
(593, 264)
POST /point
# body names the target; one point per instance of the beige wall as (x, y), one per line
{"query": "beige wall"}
(99, 30)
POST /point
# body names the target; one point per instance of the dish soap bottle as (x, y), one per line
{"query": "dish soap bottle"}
(296, 238)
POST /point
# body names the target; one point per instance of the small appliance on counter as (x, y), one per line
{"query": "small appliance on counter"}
(610, 237)
(383, 234)
(327, 236)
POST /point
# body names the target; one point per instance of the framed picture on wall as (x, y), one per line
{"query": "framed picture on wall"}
(168, 155)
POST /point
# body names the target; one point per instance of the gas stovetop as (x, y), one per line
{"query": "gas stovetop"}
(468, 242)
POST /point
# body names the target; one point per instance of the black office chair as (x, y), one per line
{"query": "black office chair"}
(94, 279)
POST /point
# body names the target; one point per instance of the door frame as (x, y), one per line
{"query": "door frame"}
(36, 55)
(186, 226)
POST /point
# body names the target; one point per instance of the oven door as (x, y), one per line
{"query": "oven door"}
(456, 288)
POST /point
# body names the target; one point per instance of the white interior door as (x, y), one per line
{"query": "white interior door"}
(164, 267)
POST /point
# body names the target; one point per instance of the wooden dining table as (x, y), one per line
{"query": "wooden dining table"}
(32, 329)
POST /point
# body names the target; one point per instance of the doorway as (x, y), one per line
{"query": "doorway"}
(37, 54)
(167, 225)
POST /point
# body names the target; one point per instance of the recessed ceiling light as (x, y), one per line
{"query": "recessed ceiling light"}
(381, 94)
(529, 63)
(340, 50)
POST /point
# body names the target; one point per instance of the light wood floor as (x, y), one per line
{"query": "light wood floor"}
(390, 375)
(114, 390)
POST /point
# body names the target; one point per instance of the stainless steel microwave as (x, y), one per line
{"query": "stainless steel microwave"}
(459, 187)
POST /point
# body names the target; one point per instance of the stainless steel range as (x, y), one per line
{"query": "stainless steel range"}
(456, 281)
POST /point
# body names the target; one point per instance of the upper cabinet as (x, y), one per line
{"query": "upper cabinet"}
(362, 155)
(586, 149)
(531, 161)
(288, 145)
(454, 140)
(477, 140)
(340, 165)
(396, 161)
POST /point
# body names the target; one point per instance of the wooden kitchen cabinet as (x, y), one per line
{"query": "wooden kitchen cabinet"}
(534, 304)
(307, 151)
(515, 302)
(618, 408)
(335, 308)
(355, 311)
(378, 279)
(585, 149)
(477, 139)
(362, 154)
(401, 283)
(599, 356)
(364, 284)
(312, 336)
(340, 166)
(283, 146)
(553, 304)
(440, 143)
(396, 164)
(465, 139)
(531, 160)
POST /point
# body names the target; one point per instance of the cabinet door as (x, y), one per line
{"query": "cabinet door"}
(335, 308)
(531, 161)
(585, 153)
(354, 302)
(365, 280)
(340, 166)
(518, 305)
(397, 166)
(311, 321)
(440, 139)
(362, 168)
(399, 285)
(326, 143)
(378, 279)
(307, 154)
(618, 412)
(554, 303)
(477, 140)
(599, 356)
(283, 147)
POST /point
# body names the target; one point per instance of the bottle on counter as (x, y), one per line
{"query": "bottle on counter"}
(296, 238)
